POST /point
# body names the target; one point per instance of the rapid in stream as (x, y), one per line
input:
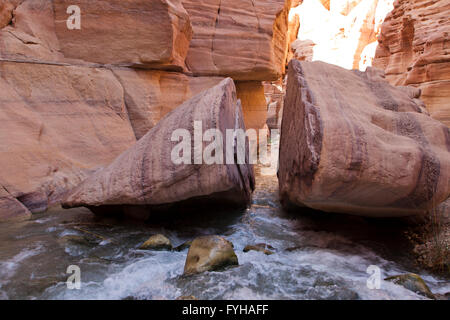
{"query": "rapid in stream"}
(316, 256)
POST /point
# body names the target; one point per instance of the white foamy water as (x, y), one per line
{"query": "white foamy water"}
(315, 257)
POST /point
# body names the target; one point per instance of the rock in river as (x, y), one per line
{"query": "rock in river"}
(209, 253)
(157, 242)
(413, 282)
(352, 143)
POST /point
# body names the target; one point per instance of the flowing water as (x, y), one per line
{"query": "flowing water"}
(317, 256)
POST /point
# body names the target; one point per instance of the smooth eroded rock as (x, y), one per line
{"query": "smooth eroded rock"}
(352, 143)
(209, 253)
(242, 39)
(260, 247)
(157, 242)
(148, 175)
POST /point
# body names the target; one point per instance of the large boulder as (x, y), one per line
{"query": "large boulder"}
(209, 253)
(57, 123)
(146, 33)
(413, 50)
(146, 174)
(352, 143)
(243, 39)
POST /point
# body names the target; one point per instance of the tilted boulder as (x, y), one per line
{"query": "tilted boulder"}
(145, 175)
(352, 143)
(243, 39)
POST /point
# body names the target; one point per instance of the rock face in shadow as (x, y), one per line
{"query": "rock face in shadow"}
(146, 175)
(352, 143)
(146, 33)
(413, 50)
(11, 209)
(242, 39)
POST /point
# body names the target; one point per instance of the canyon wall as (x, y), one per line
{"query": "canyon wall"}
(414, 49)
(72, 100)
(340, 32)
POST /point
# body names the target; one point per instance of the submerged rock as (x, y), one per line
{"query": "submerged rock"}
(157, 242)
(261, 247)
(413, 282)
(147, 33)
(185, 245)
(209, 253)
(413, 50)
(148, 174)
(352, 143)
(187, 298)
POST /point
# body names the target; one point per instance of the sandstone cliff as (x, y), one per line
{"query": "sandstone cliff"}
(352, 143)
(414, 49)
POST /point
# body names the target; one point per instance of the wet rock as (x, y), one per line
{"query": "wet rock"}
(146, 33)
(77, 240)
(148, 174)
(413, 282)
(445, 296)
(11, 209)
(352, 143)
(183, 246)
(157, 242)
(413, 50)
(242, 39)
(261, 247)
(209, 253)
(187, 298)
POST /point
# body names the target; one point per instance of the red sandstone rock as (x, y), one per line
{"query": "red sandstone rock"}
(145, 175)
(352, 143)
(413, 50)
